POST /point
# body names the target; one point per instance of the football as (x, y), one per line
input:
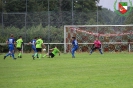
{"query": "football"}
(44, 49)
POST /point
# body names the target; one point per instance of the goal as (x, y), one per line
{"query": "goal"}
(114, 38)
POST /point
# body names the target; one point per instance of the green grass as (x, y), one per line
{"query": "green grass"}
(111, 70)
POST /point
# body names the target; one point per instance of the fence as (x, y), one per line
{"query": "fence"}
(49, 23)
(83, 47)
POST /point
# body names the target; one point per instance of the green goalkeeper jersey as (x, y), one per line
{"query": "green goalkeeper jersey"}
(19, 43)
(39, 43)
(55, 51)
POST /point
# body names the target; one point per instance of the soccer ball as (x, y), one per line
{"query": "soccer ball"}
(44, 49)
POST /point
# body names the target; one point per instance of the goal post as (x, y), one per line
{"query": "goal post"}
(115, 38)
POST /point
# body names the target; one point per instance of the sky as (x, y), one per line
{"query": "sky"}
(110, 3)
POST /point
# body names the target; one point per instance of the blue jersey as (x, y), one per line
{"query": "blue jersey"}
(11, 41)
(33, 43)
(75, 43)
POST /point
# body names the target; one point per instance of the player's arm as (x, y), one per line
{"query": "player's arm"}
(7, 42)
(100, 45)
(14, 43)
(51, 49)
(22, 43)
(29, 43)
(73, 43)
(43, 45)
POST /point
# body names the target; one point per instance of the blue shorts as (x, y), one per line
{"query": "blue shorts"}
(74, 48)
(34, 48)
(11, 47)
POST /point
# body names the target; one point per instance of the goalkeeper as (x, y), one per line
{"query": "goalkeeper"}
(96, 45)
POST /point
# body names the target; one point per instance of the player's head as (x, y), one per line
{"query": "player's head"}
(40, 37)
(96, 38)
(35, 38)
(73, 38)
(20, 36)
(11, 35)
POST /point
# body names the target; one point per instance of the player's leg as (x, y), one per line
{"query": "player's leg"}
(100, 50)
(35, 52)
(9, 53)
(73, 51)
(46, 55)
(12, 52)
(52, 55)
(40, 53)
(20, 52)
(92, 50)
(19, 55)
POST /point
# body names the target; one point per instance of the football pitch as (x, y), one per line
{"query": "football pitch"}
(110, 70)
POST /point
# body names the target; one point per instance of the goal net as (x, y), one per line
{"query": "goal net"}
(114, 38)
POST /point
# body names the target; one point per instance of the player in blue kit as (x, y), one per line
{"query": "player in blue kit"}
(11, 43)
(33, 43)
(75, 46)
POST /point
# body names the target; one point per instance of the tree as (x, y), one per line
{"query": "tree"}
(106, 16)
(60, 12)
(129, 18)
(91, 22)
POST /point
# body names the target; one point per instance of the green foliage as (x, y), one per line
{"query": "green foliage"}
(118, 20)
(56, 34)
(60, 13)
(106, 16)
(14, 5)
(0, 5)
(84, 5)
(49, 34)
(129, 18)
(91, 22)
(37, 12)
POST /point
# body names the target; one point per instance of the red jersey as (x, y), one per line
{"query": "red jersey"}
(97, 43)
